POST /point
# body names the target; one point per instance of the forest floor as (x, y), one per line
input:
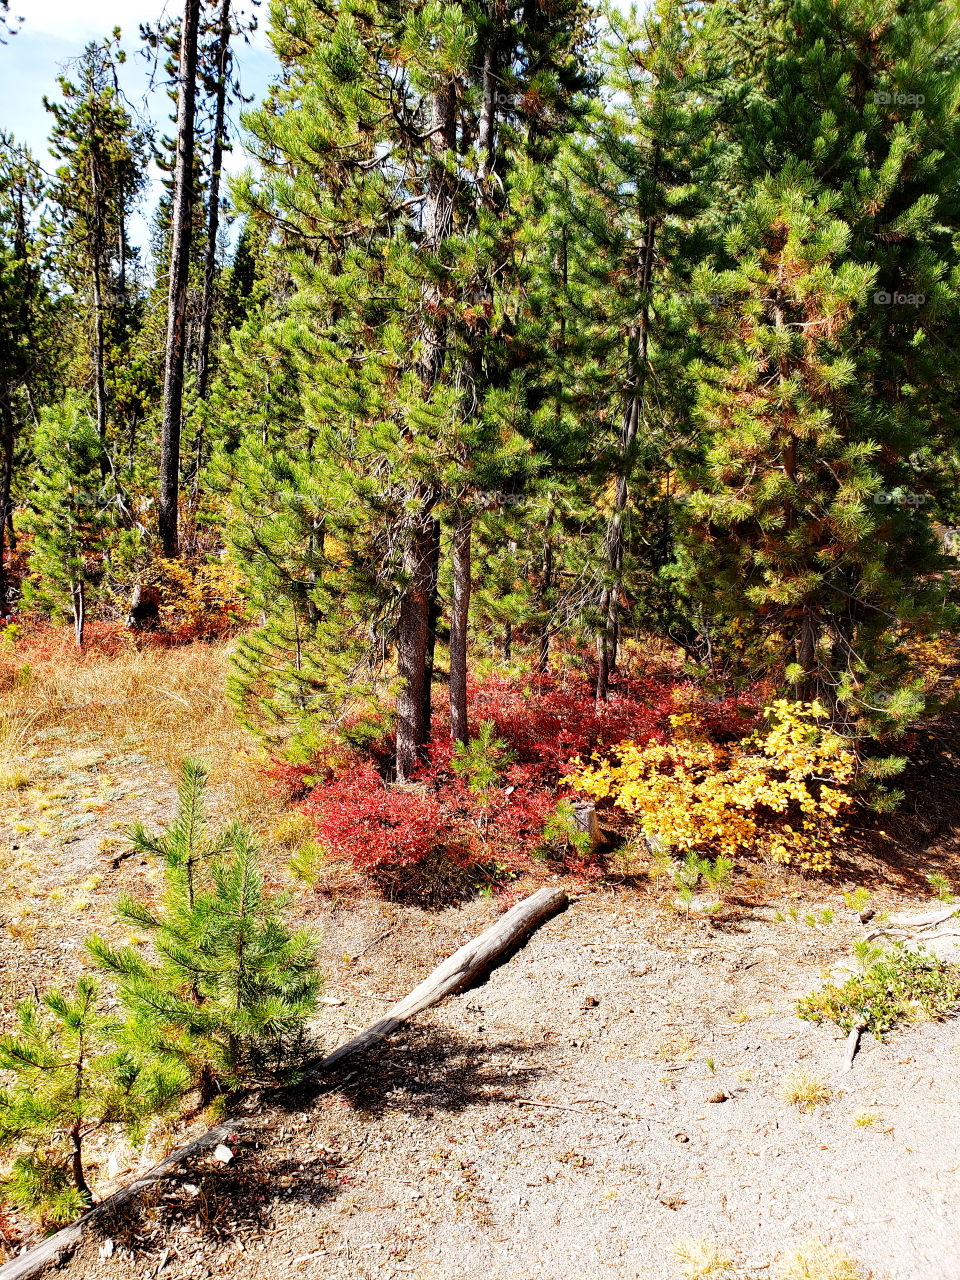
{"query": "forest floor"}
(616, 1088)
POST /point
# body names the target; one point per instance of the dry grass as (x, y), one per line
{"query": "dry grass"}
(162, 703)
(702, 1259)
(805, 1092)
(817, 1261)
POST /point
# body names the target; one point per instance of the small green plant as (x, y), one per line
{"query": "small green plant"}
(714, 874)
(941, 886)
(307, 863)
(858, 899)
(900, 986)
(230, 990)
(562, 831)
(70, 1076)
(481, 762)
(805, 1092)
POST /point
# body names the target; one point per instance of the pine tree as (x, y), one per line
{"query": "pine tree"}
(71, 1077)
(395, 228)
(828, 405)
(104, 155)
(616, 240)
(28, 344)
(72, 508)
(228, 993)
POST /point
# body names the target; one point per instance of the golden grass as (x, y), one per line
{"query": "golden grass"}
(702, 1259)
(817, 1261)
(164, 704)
(805, 1092)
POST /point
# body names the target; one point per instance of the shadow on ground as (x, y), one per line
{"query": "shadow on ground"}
(419, 1071)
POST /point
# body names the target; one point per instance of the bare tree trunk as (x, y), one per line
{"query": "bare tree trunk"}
(543, 601)
(76, 1163)
(412, 637)
(637, 357)
(99, 342)
(418, 599)
(433, 620)
(221, 57)
(459, 620)
(183, 197)
(6, 504)
(79, 611)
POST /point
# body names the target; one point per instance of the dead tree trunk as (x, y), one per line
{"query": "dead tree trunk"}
(180, 240)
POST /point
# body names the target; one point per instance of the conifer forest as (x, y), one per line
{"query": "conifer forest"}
(480, 518)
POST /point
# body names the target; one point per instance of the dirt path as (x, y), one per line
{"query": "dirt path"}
(559, 1121)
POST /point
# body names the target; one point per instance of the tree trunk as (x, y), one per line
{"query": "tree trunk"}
(181, 232)
(413, 626)
(433, 620)
(221, 57)
(98, 257)
(459, 620)
(76, 1162)
(79, 611)
(543, 602)
(6, 487)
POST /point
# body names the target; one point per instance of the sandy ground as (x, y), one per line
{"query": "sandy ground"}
(563, 1120)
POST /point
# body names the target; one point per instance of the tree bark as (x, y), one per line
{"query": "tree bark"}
(79, 611)
(6, 504)
(76, 1164)
(543, 602)
(433, 621)
(181, 233)
(459, 621)
(221, 58)
(413, 626)
(637, 356)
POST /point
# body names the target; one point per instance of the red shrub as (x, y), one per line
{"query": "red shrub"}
(374, 825)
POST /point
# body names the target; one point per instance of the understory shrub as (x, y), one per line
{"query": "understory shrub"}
(781, 792)
(487, 809)
(901, 986)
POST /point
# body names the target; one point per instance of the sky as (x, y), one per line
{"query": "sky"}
(54, 32)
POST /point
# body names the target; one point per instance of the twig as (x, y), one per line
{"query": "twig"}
(554, 1106)
(374, 943)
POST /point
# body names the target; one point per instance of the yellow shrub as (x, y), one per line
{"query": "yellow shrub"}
(781, 793)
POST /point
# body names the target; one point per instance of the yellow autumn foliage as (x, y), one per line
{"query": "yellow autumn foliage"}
(781, 793)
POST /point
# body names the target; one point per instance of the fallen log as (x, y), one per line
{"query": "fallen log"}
(466, 966)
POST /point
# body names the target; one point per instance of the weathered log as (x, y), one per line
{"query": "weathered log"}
(464, 967)
(460, 970)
